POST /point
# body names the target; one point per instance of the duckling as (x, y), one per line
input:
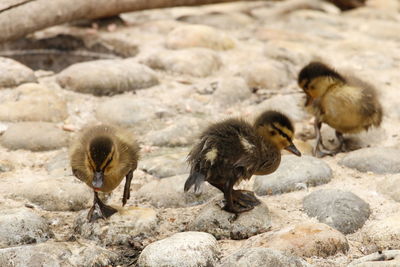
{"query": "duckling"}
(233, 150)
(101, 157)
(346, 104)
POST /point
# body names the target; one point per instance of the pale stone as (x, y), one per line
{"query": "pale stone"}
(198, 36)
(188, 249)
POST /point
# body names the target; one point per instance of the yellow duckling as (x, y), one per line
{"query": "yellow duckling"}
(346, 104)
(101, 157)
(232, 150)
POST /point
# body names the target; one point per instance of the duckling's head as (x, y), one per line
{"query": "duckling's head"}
(275, 127)
(101, 156)
(316, 78)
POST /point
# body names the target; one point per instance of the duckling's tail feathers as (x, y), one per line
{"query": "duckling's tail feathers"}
(196, 179)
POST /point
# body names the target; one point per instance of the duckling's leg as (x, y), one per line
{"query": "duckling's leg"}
(99, 210)
(228, 188)
(317, 151)
(127, 188)
(342, 145)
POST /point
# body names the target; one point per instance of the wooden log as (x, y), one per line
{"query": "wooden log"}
(21, 17)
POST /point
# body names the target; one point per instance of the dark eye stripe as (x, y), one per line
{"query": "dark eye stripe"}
(108, 162)
(281, 133)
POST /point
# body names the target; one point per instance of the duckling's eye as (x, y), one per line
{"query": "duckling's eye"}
(272, 133)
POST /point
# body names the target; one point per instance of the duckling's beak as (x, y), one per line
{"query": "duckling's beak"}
(98, 179)
(293, 149)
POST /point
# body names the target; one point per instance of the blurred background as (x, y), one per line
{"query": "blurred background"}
(165, 70)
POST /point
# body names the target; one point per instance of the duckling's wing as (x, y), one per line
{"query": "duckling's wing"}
(370, 106)
(198, 167)
(196, 179)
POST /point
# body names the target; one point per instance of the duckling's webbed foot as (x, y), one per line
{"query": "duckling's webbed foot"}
(99, 210)
(235, 207)
(319, 150)
(242, 200)
(245, 199)
(127, 188)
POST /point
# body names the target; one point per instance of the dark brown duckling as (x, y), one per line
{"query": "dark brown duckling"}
(346, 104)
(101, 157)
(232, 150)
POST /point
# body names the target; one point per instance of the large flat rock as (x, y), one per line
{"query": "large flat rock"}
(249, 257)
(167, 165)
(107, 77)
(33, 102)
(383, 233)
(339, 209)
(389, 187)
(304, 240)
(120, 228)
(197, 62)
(127, 110)
(168, 193)
(188, 249)
(67, 254)
(14, 73)
(198, 36)
(374, 159)
(225, 225)
(294, 173)
(56, 193)
(21, 226)
(34, 136)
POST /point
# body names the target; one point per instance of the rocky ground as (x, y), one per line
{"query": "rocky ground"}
(165, 75)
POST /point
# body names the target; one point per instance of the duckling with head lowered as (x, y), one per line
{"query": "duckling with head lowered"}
(347, 104)
(232, 150)
(101, 157)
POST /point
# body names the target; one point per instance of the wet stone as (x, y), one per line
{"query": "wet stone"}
(120, 228)
(249, 257)
(168, 193)
(22, 226)
(107, 77)
(57, 194)
(33, 102)
(303, 240)
(294, 173)
(224, 225)
(34, 136)
(188, 249)
(339, 209)
(57, 254)
(198, 36)
(14, 73)
(375, 159)
(198, 62)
